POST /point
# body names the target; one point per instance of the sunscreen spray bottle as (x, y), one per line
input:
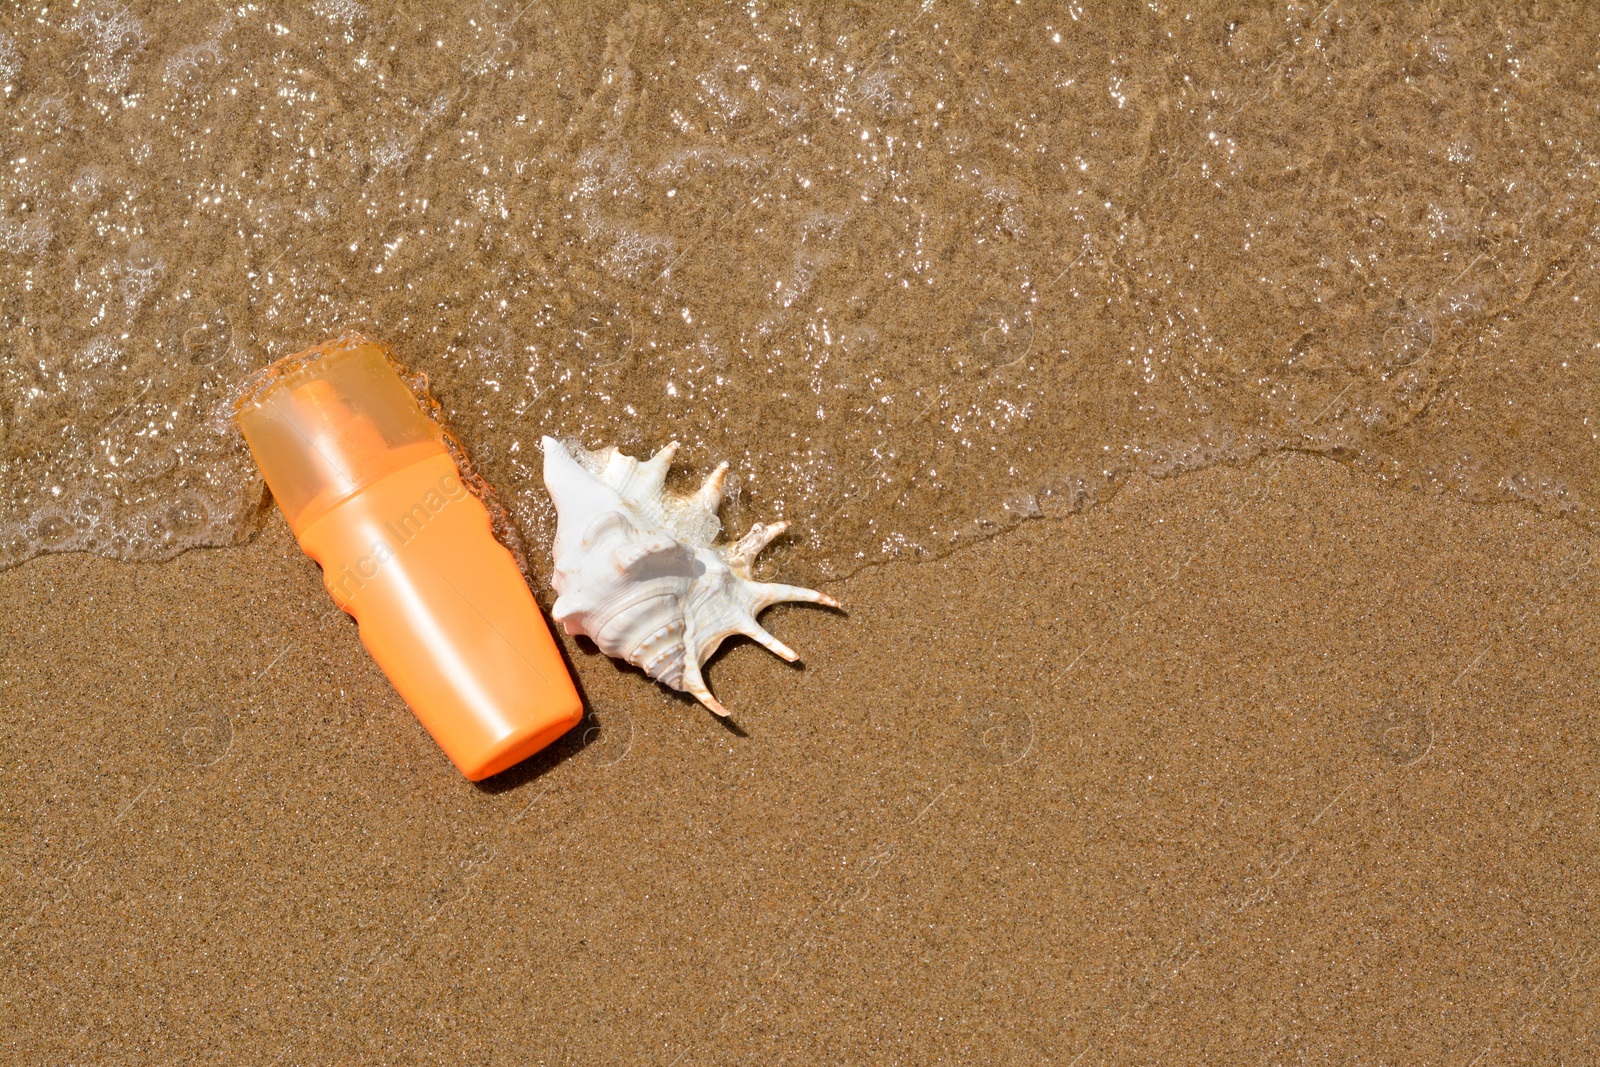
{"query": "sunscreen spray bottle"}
(372, 493)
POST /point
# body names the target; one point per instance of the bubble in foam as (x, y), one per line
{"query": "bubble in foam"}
(194, 65)
(342, 13)
(25, 236)
(185, 517)
(1548, 494)
(10, 64)
(15, 545)
(1000, 333)
(91, 506)
(1407, 337)
(140, 272)
(206, 339)
(90, 184)
(53, 113)
(602, 333)
(53, 528)
(112, 39)
(101, 351)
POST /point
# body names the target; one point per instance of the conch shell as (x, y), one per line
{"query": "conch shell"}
(636, 571)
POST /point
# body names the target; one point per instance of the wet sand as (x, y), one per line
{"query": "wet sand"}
(1252, 765)
(916, 270)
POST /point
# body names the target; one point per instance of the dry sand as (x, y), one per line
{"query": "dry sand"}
(1259, 765)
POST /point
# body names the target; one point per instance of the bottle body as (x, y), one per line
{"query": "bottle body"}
(374, 496)
(445, 612)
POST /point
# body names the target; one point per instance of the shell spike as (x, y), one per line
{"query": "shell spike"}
(742, 556)
(638, 482)
(710, 493)
(757, 633)
(694, 684)
(567, 481)
(662, 461)
(583, 500)
(703, 695)
(767, 594)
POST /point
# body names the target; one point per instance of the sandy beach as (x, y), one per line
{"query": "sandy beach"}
(1194, 409)
(1263, 764)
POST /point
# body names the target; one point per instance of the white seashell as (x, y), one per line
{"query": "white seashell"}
(636, 571)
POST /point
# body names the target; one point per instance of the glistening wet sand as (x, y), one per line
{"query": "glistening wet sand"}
(1250, 765)
(918, 271)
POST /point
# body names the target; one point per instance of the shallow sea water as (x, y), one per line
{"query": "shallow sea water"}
(921, 272)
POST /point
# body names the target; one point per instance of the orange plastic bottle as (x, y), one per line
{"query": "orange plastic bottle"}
(372, 494)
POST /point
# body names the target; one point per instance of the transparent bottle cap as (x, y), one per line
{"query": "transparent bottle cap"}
(326, 422)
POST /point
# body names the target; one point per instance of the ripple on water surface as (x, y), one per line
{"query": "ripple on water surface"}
(920, 275)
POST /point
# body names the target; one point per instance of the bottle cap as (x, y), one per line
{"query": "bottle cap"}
(330, 421)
